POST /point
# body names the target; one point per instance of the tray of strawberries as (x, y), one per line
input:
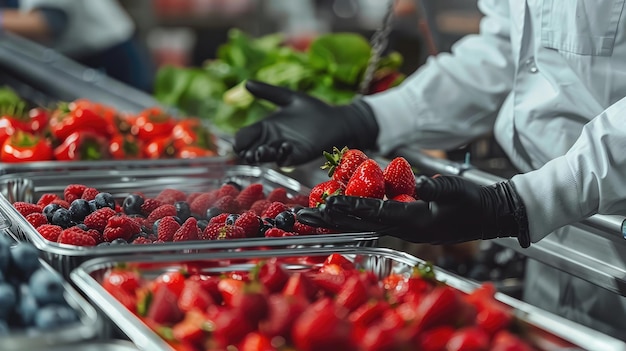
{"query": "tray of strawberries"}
(350, 298)
(74, 216)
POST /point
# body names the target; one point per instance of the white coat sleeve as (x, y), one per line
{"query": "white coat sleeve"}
(454, 97)
(590, 178)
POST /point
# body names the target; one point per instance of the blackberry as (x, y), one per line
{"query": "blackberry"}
(183, 211)
(104, 200)
(230, 220)
(132, 204)
(79, 209)
(285, 220)
(46, 287)
(212, 212)
(62, 218)
(49, 210)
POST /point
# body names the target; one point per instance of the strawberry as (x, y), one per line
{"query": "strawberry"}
(505, 340)
(120, 227)
(272, 275)
(172, 280)
(249, 222)
(228, 288)
(46, 199)
(278, 194)
(190, 330)
(212, 231)
(468, 338)
(36, 219)
(368, 313)
(26, 208)
(399, 178)
(187, 231)
(164, 307)
(435, 339)
(275, 233)
(249, 195)
(50, 231)
(322, 327)
(202, 202)
(282, 312)
(98, 219)
(403, 198)
(89, 194)
(73, 192)
(251, 301)
(227, 204)
(341, 164)
(301, 285)
(321, 191)
(230, 232)
(193, 296)
(150, 205)
(352, 294)
(330, 278)
(339, 260)
(257, 342)
(259, 206)
(166, 228)
(160, 212)
(273, 210)
(228, 190)
(367, 181)
(230, 328)
(123, 279)
(75, 236)
(437, 308)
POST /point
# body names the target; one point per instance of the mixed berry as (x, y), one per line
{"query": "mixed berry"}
(85, 216)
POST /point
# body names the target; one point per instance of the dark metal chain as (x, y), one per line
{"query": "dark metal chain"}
(378, 42)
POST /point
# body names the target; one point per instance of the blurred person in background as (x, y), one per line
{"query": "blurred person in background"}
(98, 34)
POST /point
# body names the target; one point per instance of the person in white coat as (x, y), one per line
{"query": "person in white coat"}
(548, 78)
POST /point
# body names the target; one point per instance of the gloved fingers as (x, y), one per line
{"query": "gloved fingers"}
(247, 137)
(376, 210)
(277, 95)
(316, 217)
(442, 188)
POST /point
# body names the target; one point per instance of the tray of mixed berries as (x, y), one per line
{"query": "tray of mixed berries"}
(347, 298)
(75, 216)
(38, 308)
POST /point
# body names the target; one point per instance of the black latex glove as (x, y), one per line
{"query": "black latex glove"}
(303, 127)
(450, 210)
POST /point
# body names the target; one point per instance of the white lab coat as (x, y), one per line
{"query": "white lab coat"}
(548, 77)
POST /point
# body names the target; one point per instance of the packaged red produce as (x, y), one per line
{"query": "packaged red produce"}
(351, 299)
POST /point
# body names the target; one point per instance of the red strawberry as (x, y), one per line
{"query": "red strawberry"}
(166, 228)
(73, 192)
(399, 178)
(50, 231)
(274, 233)
(259, 206)
(26, 208)
(75, 236)
(468, 338)
(164, 307)
(212, 231)
(404, 198)
(190, 330)
(226, 203)
(367, 181)
(278, 194)
(283, 311)
(352, 294)
(219, 219)
(45, 199)
(273, 210)
(193, 296)
(202, 202)
(150, 205)
(160, 212)
(231, 232)
(341, 164)
(257, 342)
(187, 231)
(228, 190)
(89, 194)
(36, 219)
(98, 219)
(272, 275)
(322, 327)
(120, 227)
(251, 301)
(321, 191)
(126, 280)
(301, 285)
(249, 195)
(250, 223)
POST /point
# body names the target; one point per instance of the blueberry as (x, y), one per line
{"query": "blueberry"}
(266, 223)
(8, 299)
(235, 184)
(119, 241)
(46, 287)
(285, 220)
(104, 243)
(5, 254)
(62, 218)
(53, 316)
(104, 200)
(132, 204)
(49, 211)
(79, 209)
(179, 220)
(25, 258)
(82, 226)
(92, 205)
(230, 220)
(202, 224)
(212, 212)
(4, 328)
(27, 306)
(183, 211)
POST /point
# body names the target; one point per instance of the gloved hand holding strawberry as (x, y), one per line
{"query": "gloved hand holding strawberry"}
(303, 127)
(450, 210)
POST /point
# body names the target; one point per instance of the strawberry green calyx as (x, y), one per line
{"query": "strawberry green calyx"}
(425, 271)
(332, 160)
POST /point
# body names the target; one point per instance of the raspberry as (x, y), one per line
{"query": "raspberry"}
(228, 190)
(166, 228)
(226, 204)
(302, 200)
(73, 192)
(160, 212)
(259, 206)
(142, 240)
(76, 236)
(96, 235)
(321, 230)
(249, 222)
(188, 231)
(211, 232)
(26, 208)
(303, 229)
(62, 203)
(219, 219)
(275, 233)
(89, 194)
(273, 210)
(170, 196)
(249, 195)
(98, 219)
(45, 199)
(150, 205)
(278, 195)
(36, 219)
(50, 231)
(202, 202)
(120, 227)
(193, 196)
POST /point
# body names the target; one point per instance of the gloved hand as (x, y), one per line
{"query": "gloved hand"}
(303, 127)
(450, 210)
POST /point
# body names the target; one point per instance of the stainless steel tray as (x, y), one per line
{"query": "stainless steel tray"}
(30, 186)
(547, 331)
(88, 327)
(110, 345)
